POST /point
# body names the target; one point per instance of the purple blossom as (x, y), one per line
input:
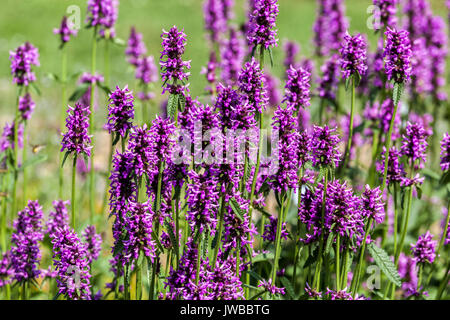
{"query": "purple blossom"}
(414, 144)
(386, 13)
(372, 204)
(65, 31)
(58, 217)
(210, 70)
(103, 14)
(25, 251)
(146, 70)
(271, 288)
(120, 111)
(173, 43)
(6, 271)
(26, 106)
(445, 152)
(353, 56)
(291, 49)
(297, 94)
(136, 47)
(424, 251)
(7, 139)
(93, 243)
(140, 145)
(215, 22)
(22, 61)
(397, 55)
(270, 230)
(70, 258)
(251, 83)
(232, 52)
(76, 138)
(396, 171)
(261, 29)
(328, 83)
(273, 92)
(321, 28)
(324, 146)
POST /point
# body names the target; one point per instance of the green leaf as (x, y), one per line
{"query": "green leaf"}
(182, 102)
(79, 91)
(385, 263)
(173, 238)
(329, 241)
(254, 275)
(397, 93)
(311, 258)
(431, 174)
(105, 88)
(288, 285)
(65, 158)
(347, 82)
(445, 179)
(214, 241)
(271, 56)
(263, 257)
(158, 243)
(237, 209)
(357, 79)
(172, 105)
(419, 192)
(119, 42)
(33, 161)
(36, 88)
(53, 77)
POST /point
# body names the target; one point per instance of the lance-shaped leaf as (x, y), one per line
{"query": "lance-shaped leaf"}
(385, 263)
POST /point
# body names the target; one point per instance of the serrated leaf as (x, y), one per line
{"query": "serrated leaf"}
(214, 241)
(181, 102)
(158, 243)
(172, 105)
(329, 241)
(65, 158)
(386, 265)
(254, 275)
(263, 257)
(445, 179)
(397, 93)
(288, 285)
(430, 173)
(347, 82)
(173, 238)
(237, 208)
(79, 91)
(311, 258)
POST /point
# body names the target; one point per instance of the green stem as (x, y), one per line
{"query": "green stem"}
(350, 129)
(24, 159)
(74, 171)
(388, 147)
(125, 283)
(395, 218)
(3, 208)
(444, 283)
(197, 274)
(219, 232)
(92, 128)
(139, 281)
(358, 269)
(338, 264)
(297, 231)
(281, 215)
(238, 250)
(62, 115)
(16, 156)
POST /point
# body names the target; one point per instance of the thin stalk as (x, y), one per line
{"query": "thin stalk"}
(3, 208)
(238, 250)
(177, 229)
(350, 129)
(444, 283)
(125, 283)
(419, 281)
(24, 159)
(395, 218)
(62, 115)
(16, 156)
(92, 128)
(74, 171)
(358, 275)
(278, 237)
(296, 249)
(219, 232)
(197, 274)
(388, 147)
(139, 281)
(105, 197)
(338, 264)
(344, 274)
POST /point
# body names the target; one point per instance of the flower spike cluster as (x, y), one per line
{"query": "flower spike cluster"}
(77, 140)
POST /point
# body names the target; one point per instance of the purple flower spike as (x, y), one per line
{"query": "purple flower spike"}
(120, 111)
(58, 218)
(414, 144)
(26, 106)
(324, 146)
(297, 94)
(386, 13)
(146, 70)
(291, 49)
(270, 230)
(70, 258)
(251, 83)
(445, 152)
(353, 56)
(93, 242)
(271, 288)
(7, 139)
(25, 251)
(22, 61)
(65, 31)
(396, 171)
(232, 50)
(372, 204)
(103, 15)
(214, 18)
(173, 43)
(424, 251)
(329, 81)
(6, 270)
(397, 55)
(76, 139)
(261, 30)
(136, 47)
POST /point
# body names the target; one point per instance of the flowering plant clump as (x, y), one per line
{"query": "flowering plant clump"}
(250, 172)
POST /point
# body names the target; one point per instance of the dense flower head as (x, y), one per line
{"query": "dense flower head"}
(291, 49)
(140, 145)
(161, 134)
(135, 48)
(395, 171)
(22, 60)
(172, 65)
(353, 56)
(76, 139)
(397, 55)
(6, 271)
(324, 146)
(232, 53)
(215, 22)
(58, 217)
(146, 70)
(7, 139)
(320, 29)
(407, 269)
(261, 28)
(270, 230)
(26, 106)
(386, 13)
(414, 144)
(224, 284)
(25, 251)
(120, 111)
(70, 258)
(424, 251)
(445, 152)
(271, 288)
(210, 70)
(203, 201)
(273, 91)
(337, 23)
(65, 31)
(251, 83)
(103, 15)
(297, 88)
(93, 242)
(372, 204)
(138, 224)
(438, 52)
(329, 81)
